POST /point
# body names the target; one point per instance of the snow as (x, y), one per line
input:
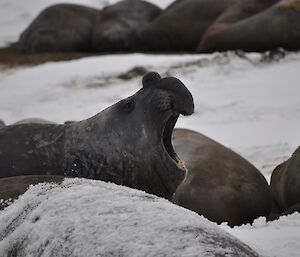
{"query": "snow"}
(277, 238)
(244, 102)
(92, 218)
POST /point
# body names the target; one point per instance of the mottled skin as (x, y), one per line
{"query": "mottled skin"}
(126, 143)
(115, 29)
(285, 185)
(61, 27)
(181, 25)
(220, 184)
(270, 28)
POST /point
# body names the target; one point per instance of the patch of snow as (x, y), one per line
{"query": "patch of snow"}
(277, 238)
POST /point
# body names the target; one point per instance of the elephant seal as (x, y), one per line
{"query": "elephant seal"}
(274, 27)
(129, 143)
(220, 184)
(180, 26)
(116, 27)
(61, 27)
(239, 11)
(12, 187)
(285, 185)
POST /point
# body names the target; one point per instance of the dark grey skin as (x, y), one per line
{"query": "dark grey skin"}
(220, 184)
(181, 25)
(2, 124)
(12, 187)
(129, 143)
(285, 186)
(61, 27)
(115, 29)
(273, 27)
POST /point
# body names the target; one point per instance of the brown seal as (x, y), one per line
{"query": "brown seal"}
(115, 29)
(220, 184)
(12, 187)
(181, 25)
(61, 27)
(285, 185)
(255, 26)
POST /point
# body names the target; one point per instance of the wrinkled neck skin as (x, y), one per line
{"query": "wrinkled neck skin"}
(124, 148)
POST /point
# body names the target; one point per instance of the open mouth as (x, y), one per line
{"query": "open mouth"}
(167, 139)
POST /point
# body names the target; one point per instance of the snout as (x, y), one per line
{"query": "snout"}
(171, 93)
(181, 98)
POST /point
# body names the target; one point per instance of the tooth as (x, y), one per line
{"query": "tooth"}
(175, 113)
(180, 163)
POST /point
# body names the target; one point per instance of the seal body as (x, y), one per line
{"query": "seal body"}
(181, 25)
(115, 29)
(12, 187)
(285, 185)
(129, 143)
(270, 25)
(62, 27)
(220, 185)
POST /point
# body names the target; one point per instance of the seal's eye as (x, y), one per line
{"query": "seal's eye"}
(128, 104)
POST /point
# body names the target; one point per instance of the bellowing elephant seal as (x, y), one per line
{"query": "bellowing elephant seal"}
(61, 27)
(273, 27)
(181, 25)
(220, 185)
(285, 185)
(115, 28)
(128, 143)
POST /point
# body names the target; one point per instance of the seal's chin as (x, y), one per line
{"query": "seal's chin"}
(167, 139)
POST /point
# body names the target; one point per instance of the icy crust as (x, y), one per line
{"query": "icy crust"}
(277, 238)
(83, 217)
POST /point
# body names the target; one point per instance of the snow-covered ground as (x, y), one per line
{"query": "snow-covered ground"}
(249, 105)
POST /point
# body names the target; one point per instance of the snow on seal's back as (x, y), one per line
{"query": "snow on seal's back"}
(81, 217)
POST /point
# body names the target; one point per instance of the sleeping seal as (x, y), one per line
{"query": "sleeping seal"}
(220, 184)
(115, 29)
(268, 29)
(285, 186)
(181, 25)
(129, 143)
(61, 27)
